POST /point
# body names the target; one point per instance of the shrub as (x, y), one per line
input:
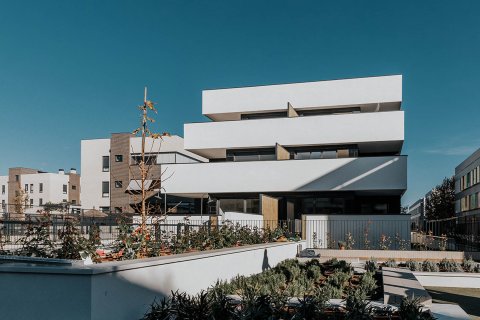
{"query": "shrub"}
(368, 283)
(429, 266)
(449, 266)
(338, 279)
(414, 265)
(357, 308)
(469, 265)
(411, 309)
(36, 242)
(371, 265)
(390, 263)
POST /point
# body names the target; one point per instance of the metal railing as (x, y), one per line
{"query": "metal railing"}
(107, 229)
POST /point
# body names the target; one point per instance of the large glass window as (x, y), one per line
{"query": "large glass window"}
(149, 159)
(40, 187)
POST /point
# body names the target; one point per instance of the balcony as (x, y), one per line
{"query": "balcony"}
(386, 174)
(229, 104)
(380, 131)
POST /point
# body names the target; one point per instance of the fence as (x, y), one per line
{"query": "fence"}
(108, 228)
(357, 231)
(459, 233)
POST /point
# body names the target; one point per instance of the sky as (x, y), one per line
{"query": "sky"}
(73, 70)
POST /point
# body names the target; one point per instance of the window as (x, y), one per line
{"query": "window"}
(64, 200)
(74, 202)
(3, 203)
(26, 187)
(149, 159)
(118, 184)
(31, 187)
(40, 187)
(3, 189)
(31, 203)
(118, 158)
(105, 189)
(106, 163)
(105, 209)
(74, 187)
(40, 202)
(17, 177)
(65, 189)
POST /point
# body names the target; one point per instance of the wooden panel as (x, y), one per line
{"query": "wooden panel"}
(270, 211)
(342, 153)
(281, 152)
(290, 210)
(291, 112)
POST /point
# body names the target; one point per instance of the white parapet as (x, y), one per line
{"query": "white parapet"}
(227, 103)
(210, 139)
(347, 174)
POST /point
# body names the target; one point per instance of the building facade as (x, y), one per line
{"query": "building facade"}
(326, 147)
(467, 186)
(111, 176)
(36, 188)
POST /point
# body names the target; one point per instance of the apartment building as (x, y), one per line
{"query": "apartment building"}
(326, 147)
(467, 186)
(111, 178)
(38, 188)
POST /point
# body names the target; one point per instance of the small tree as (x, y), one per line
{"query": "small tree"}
(440, 204)
(145, 164)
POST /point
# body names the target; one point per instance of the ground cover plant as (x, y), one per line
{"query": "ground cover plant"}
(289, 291)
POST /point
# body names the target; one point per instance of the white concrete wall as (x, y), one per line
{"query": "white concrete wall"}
(330, 229)
(92, 152)
(372, 173)
(311, 130)
(303, 95)
(124, 290)
(244, 219)
(448, 279)
(52, 188)
(3, 196)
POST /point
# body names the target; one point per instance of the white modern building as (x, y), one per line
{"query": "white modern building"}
(280, 151)
(326, 147)
(36, 188)
(110, 176)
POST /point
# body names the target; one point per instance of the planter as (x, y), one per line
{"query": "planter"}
(448, 279)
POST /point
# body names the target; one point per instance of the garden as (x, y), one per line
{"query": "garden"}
(291, 290)
(133, 242)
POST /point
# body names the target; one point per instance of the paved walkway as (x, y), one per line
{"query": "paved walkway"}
(468, 299)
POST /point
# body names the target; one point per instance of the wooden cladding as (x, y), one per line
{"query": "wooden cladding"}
(291, 112)
(281, 153)
(269, 211)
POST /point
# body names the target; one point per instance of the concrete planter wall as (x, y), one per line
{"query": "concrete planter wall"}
(448, 279)
(124, 289)
(398, 255)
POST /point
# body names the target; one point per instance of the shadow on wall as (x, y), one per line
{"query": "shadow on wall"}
(265, 263)
(364, 174)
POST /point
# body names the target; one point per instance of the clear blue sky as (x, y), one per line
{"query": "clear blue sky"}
(72, 70)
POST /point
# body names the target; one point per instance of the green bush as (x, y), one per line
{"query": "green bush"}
(414, 265)
(449, 266)
(429, 266)
(469, 265)
(371, 265)
(390, 263)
